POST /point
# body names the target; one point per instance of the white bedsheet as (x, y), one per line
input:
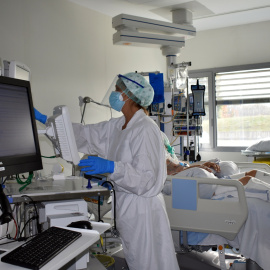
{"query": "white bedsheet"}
(255, 188)
(253, 239)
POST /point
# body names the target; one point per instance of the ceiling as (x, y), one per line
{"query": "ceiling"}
(207, 14)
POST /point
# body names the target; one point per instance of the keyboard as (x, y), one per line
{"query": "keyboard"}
(39, 250)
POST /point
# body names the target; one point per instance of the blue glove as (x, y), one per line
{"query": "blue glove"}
(40, 117)
(96, 165)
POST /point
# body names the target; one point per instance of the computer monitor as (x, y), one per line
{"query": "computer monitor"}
(19, 145)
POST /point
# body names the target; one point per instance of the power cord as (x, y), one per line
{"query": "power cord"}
(37, 215)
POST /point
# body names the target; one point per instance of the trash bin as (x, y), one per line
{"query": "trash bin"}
(107, 261)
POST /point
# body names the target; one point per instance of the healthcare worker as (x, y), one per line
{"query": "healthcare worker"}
(131, 149)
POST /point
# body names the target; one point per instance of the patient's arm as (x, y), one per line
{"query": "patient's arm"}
(212, 165)
(252, 173)
(173, 168)
(244, 180)
(206, 166)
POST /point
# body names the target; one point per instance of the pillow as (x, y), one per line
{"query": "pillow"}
(227, 168)
(262, 146)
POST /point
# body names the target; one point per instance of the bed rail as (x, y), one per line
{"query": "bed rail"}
(247, 166)
(188, 212)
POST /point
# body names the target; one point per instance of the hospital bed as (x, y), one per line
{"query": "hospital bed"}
(214, 222)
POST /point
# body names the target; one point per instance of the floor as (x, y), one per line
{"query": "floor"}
(188, 261)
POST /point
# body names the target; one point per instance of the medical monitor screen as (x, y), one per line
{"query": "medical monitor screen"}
(19, 147)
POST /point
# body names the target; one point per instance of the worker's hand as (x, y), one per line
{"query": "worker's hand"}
(40, 117)
(96, 165)
(212, 165)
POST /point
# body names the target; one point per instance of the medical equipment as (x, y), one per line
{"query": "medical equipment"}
(62, 213)
(133, 30)
(60, 132)
(1, 67)
(197, 100)
(15, 69)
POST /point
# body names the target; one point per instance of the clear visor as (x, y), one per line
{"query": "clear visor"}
(105, 100)
(120, 83)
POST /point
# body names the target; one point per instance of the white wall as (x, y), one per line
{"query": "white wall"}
(232, 46)
(70, 53)
(69, 50)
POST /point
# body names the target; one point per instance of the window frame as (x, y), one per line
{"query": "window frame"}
(211, 73)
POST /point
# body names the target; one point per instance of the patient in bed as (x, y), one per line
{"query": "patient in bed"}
(211, 169)
(253, 239)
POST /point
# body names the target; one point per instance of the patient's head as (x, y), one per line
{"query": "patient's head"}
(227, 168)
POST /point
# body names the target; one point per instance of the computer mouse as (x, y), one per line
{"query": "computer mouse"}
(81, 224)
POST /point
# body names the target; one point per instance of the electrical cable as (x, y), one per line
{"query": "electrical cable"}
(37, 215)
(31, 218)
(16, 228)
(114, 204)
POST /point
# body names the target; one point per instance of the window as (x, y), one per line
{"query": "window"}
(240, 106)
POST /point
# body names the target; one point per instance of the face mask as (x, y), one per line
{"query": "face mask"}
(116, 101)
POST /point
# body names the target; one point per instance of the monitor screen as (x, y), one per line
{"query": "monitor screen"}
(19, 146)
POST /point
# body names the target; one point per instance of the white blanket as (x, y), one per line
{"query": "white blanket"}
(255, 188)
(253, 239)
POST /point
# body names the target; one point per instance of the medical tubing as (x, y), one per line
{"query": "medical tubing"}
(49, 157)
(26, 183)
(114, 201)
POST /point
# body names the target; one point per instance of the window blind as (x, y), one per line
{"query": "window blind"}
(252, 85)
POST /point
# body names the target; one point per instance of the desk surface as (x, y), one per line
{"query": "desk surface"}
(50, 190)
(89, 237)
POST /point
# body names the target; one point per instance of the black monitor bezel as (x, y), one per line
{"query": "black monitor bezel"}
(17, 164)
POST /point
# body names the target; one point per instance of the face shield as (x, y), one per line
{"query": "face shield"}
(135, 86)
(105, 100)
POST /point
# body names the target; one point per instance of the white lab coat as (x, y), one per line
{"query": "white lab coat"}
(139, 176)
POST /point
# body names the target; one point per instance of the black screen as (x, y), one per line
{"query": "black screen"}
(19, 147)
